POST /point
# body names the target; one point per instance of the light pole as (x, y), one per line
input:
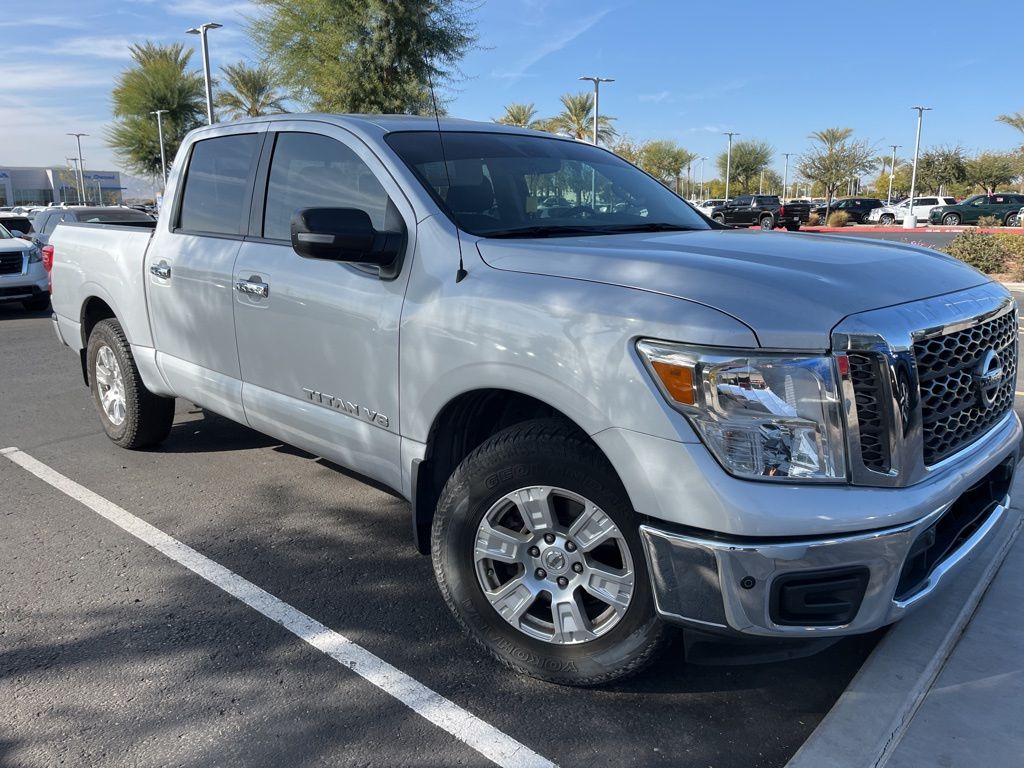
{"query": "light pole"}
(892, 171)
(201, 30)
(910, 220)
(160, 130)
(78, 189)
(702, 178)
(81, 165)
(597, 98)
(785, 176)
(728, 162)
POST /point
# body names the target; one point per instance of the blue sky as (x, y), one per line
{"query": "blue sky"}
(685, 71)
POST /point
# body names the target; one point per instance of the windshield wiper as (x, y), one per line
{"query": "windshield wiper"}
(542, 231)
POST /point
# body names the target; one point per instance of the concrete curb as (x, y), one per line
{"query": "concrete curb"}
(867, 722)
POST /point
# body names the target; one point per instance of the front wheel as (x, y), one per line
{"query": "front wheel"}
(886, 219)
(538, 555)
(1011, 220)
(719, 219)
(951, 219)
(131, 415)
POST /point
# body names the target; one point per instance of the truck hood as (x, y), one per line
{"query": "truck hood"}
(790, 289)
(8, 245)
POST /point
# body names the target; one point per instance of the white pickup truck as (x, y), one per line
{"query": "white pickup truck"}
(608, 417)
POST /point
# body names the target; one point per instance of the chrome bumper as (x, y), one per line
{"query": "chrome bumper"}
(728, 586)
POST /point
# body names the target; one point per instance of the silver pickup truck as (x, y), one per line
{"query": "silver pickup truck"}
(608, 415)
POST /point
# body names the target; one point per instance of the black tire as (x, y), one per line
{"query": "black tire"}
(951, 219)
(718, 219)
(36, 304)
(1010, 220)
(766, 223)
(792, 227)
(886, 219)
(147, 417)
(551, 452)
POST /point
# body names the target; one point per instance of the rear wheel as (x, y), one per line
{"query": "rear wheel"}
(537, 553)
(131, 415)
(766, 223)
(793, 227)
(951, 219)
(718, 219)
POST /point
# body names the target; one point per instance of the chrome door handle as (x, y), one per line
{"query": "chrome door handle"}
(161, 270)
(252, 288)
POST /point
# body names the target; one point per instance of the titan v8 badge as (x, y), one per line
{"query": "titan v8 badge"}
(345, 406)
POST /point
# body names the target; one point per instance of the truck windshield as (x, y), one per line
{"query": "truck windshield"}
(4, 234)
(514, 185)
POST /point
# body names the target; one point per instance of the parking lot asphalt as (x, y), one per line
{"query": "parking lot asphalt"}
(113, 654)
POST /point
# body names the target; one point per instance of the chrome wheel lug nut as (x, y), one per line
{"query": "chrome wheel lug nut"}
(540, 573)
(563, 582)
(549, 538)
(534, 552)
(578, 567)
(570, 547)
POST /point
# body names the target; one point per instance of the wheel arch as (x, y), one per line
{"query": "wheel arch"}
(94, 310)
(464, 423)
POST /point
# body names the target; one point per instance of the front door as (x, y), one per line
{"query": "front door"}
(318, 339)
(189, 270)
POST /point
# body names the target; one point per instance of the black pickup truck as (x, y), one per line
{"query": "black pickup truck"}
(765, 211)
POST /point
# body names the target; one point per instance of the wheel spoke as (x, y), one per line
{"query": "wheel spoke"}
(535, 506)
(512, 599)
(610, 585)
(571, 624)
(497, 544)
(591, 528)
(102, 375)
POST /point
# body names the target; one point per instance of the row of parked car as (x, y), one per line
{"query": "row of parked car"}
(1006, 207)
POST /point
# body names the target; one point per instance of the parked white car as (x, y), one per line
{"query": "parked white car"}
(895, 214)
(707, 206)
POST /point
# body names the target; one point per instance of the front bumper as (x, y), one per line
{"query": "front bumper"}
(737, 585)
(30, 283)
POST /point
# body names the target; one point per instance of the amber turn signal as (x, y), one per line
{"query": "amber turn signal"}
(678, 381)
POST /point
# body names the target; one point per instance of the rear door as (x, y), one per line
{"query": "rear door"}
(319, 351)
(923, 206)
(189, 268)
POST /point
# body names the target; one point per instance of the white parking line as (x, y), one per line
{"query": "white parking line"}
(484, 738)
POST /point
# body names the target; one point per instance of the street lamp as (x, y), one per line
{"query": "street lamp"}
(892, 171)
(81, 165)
(201, 30)
(597, 98)
(702, 177)
(785, 176)
(78, 190)
(160, 130)
(728, 162)
(910, 220)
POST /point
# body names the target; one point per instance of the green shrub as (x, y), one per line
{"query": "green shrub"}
(982, 250)
(989, 221)
(1013, 244)
(838, 219)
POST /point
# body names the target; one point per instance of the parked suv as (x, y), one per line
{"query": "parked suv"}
(896, 213)
(857, 208)
(1003, 206)
(22, 276)
(765, 211)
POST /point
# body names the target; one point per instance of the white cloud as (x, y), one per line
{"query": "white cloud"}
(49, 77)
(60, 22)
(520, 69)
(99, 47)
(34, 134)
(657, 98)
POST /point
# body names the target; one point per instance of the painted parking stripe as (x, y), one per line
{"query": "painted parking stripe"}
(484, 738)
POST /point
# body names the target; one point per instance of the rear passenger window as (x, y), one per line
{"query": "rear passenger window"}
(313, 171)
(217, 184)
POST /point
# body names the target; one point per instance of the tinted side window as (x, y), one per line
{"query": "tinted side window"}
(928, 201)
(217, 184)
(742, 200)
(313, 171)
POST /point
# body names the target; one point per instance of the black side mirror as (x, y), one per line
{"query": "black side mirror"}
(346, 234)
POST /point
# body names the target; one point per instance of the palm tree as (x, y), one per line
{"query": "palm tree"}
(577, 119)
(520, 115)
(252, 92)
(1016, 120)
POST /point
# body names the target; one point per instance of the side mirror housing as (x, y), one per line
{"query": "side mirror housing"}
(346, 234)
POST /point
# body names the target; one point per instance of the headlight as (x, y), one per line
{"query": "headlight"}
(761, 415)
(34, 255)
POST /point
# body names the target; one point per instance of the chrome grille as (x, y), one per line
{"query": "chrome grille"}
(871, 422)
(953, 412)
(11, 263)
